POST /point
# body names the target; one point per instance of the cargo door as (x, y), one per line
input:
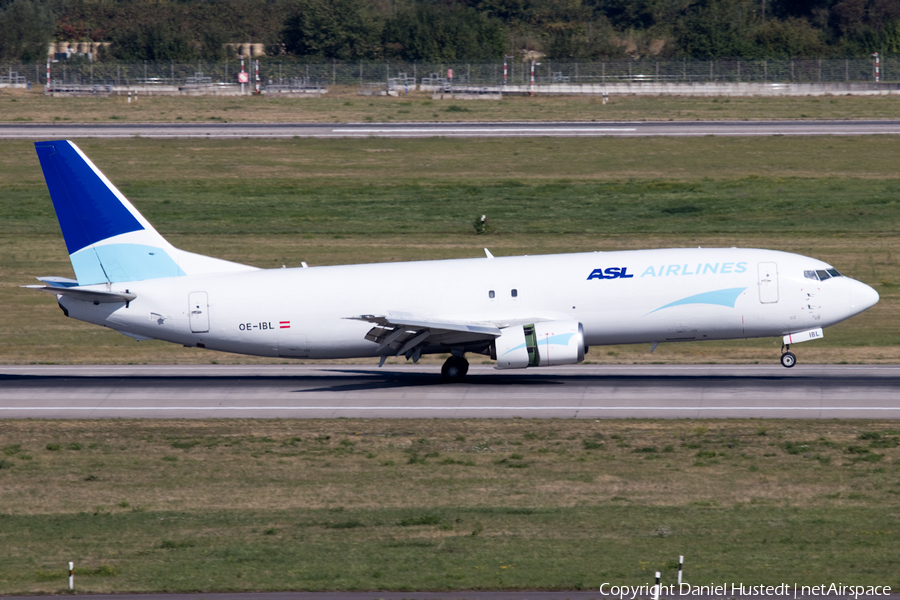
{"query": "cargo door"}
(768, 283)
(199, 312)
(292, 343)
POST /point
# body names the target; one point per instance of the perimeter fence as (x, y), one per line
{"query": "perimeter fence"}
(273, 71)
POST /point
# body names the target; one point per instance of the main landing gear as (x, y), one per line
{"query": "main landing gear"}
(455, 369)
(788, 359)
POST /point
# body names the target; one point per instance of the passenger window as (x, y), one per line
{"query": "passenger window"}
(515, 293)
(834, 273)
(491, 294)
(823, 275)
(811, 275)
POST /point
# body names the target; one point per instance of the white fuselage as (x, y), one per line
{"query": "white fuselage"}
(631, 297)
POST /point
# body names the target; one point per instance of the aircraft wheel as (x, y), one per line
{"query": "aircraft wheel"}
(788, 360)
(454, 369)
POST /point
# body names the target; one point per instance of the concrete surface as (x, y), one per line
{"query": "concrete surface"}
(364, 391)
(37, 131)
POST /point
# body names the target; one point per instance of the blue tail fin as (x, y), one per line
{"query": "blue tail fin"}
(108, 240)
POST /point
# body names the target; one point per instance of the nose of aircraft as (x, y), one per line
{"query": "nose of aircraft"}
(862, 296)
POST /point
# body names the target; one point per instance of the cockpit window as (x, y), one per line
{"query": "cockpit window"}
(822, 275)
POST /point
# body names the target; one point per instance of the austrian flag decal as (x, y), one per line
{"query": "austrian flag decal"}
(284, 324)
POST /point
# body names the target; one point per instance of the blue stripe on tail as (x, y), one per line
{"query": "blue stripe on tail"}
(87, 209)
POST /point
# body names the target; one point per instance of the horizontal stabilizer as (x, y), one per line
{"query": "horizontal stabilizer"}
(95, 296)
(59, 282)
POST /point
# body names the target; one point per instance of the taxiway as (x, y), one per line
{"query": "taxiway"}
(40, 131)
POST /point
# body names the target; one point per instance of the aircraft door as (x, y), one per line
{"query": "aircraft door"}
(768, 283)
(199, 312)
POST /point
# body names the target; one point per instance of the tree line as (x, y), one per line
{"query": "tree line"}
(455, 30)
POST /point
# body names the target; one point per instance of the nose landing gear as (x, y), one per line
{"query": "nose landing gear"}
(788, 359)
(454, 369)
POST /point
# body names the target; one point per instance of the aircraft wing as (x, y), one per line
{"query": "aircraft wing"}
(403, 333)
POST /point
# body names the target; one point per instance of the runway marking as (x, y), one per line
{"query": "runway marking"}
(482, 129)
(421, 408)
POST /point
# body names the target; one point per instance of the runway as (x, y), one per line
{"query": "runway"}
(360, 391)
(38, 131)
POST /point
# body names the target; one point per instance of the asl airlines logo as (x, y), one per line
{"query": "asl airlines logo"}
(610, 273)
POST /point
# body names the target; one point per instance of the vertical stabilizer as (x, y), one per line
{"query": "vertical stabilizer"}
(108, 240)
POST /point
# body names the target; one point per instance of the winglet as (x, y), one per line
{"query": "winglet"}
(488, 254)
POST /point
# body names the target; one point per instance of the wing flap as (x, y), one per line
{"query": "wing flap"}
(402, 333)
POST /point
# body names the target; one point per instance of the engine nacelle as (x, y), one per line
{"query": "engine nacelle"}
(511, 349)
(540, 345)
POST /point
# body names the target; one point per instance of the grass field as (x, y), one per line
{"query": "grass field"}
(344, 105)
(444, 504)
(270, 203)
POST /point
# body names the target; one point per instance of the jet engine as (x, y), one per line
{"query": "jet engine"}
(540, 345)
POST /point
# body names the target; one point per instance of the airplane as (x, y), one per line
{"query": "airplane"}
(522, 311)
